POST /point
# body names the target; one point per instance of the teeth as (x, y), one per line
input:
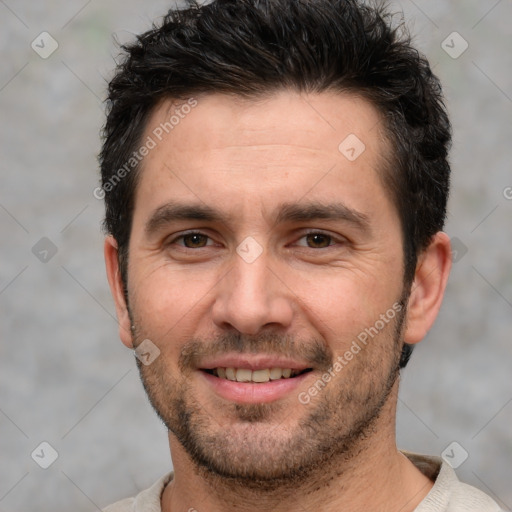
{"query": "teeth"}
(260, 375)
(246, 375)
(276, 373)
(243, 375)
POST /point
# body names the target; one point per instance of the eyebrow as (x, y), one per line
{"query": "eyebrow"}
(172, 212)
(301, 212)
(286, 212)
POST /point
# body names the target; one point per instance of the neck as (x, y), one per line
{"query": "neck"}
(375, 477)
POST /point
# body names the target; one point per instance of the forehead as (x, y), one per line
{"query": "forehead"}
(241, 152)
(287, 116)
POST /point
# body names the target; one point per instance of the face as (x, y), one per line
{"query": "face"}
(266, 265)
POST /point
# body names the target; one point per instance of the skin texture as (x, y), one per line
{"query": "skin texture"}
(305, 298)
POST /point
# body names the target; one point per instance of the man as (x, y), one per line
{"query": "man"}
(275, 176)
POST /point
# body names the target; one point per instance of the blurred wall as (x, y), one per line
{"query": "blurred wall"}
(65, 377)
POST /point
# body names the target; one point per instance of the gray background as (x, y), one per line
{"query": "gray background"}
(67, 380)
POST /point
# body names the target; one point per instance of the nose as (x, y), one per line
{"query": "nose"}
(251, 297)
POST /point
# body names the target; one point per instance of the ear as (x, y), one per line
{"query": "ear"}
(117, 290)
(428, 288)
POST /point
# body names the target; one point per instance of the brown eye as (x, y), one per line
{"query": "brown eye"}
(318, 240)
(194, 240)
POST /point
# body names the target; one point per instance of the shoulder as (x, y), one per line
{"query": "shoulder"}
(145, 501)
(126, 505)
(449, 494)
(466, 498)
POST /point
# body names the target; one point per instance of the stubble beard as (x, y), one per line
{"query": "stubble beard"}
(256, 452)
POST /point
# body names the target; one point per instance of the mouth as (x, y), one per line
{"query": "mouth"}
(259, 376)
(253, 378)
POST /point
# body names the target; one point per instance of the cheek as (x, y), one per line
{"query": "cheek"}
(166, 302)
(156, 280)
(341, 305)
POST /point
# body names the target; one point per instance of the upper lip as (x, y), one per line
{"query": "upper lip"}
(252, 362)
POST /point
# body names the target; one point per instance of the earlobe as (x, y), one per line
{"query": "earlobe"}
(428, 288)
(117, 290)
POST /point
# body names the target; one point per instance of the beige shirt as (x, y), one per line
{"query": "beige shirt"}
(447, 495)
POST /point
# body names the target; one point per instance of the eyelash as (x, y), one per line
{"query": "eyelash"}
(308, 233)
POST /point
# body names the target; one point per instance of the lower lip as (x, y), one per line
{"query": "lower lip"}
(250, 392)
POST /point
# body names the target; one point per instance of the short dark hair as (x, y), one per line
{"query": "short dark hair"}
(251, 48)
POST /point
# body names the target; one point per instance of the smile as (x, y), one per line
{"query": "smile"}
(256, 376)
